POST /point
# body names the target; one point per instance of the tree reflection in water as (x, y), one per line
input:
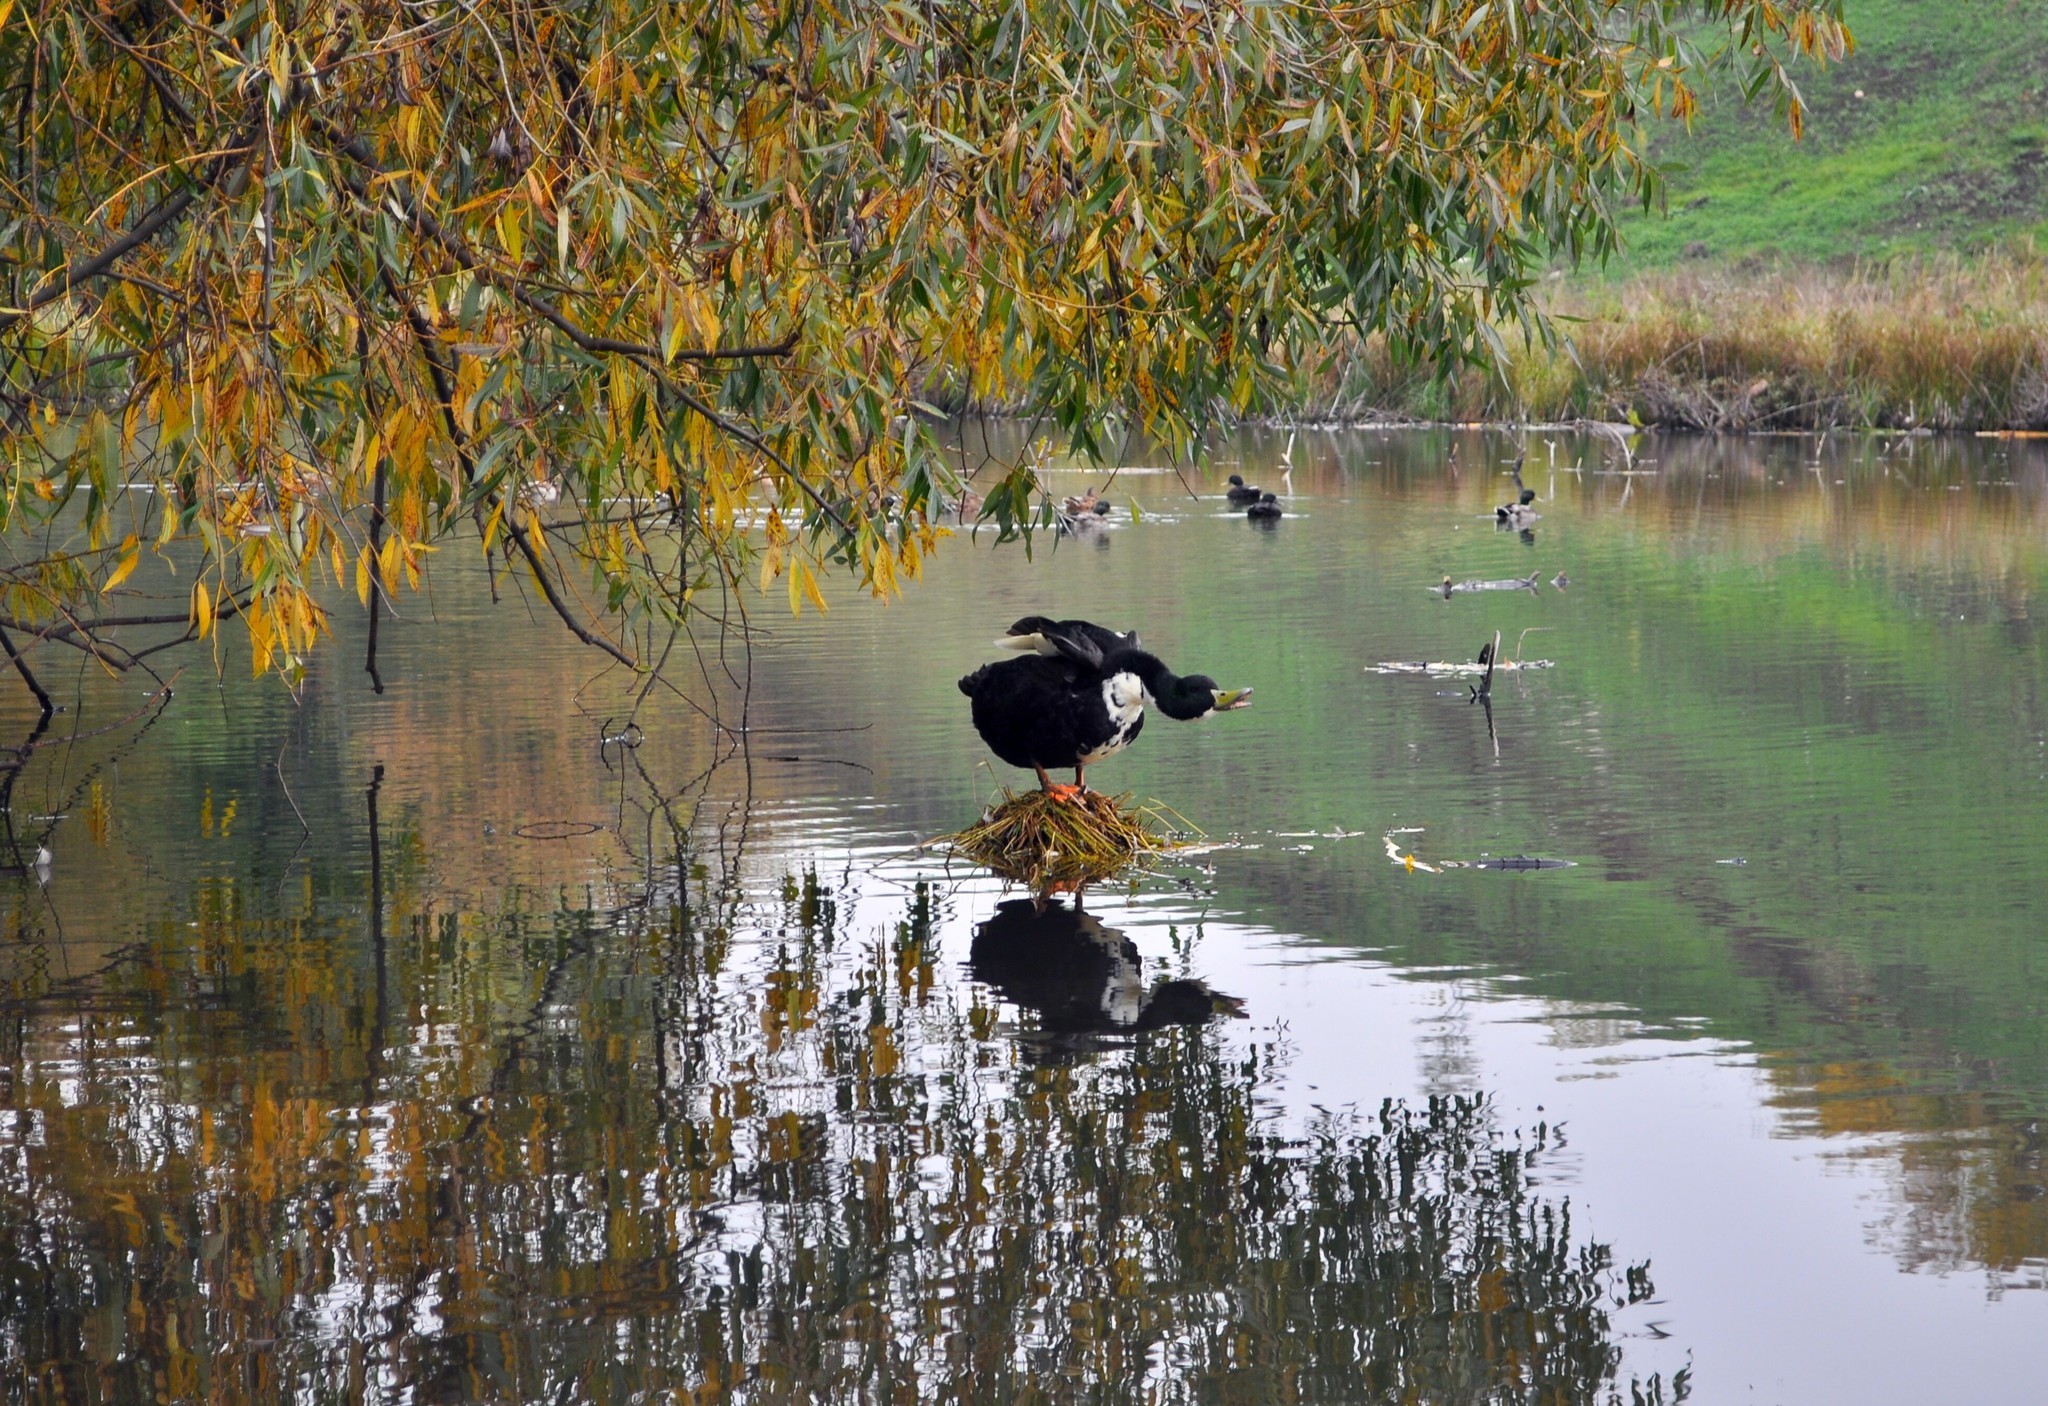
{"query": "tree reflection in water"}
(738, 1149)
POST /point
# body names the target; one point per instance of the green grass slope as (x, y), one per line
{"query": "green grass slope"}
(1932, 135)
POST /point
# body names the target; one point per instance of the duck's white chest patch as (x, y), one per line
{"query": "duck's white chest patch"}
(1124, 698)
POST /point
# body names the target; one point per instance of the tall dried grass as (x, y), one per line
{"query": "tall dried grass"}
(1943, 343)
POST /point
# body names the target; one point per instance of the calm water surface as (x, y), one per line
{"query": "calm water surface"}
(422, 1048)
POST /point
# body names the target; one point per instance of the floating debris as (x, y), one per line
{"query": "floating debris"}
(1489, 657)
(1049, 843)
(1513, 863)
(1528, 583)
(1442, 668)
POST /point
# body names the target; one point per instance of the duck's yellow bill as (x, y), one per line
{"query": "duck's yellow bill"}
(1228, 698)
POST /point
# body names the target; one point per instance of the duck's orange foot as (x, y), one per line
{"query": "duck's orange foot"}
(1060, 791)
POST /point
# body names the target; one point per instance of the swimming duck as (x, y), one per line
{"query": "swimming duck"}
(1082, 702)
(1085, 502)
(1240, 492)
(1518, 511)
(1267, 509)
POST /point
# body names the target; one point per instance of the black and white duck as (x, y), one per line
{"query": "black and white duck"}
(1241, 492)
(1078, 696)
(1267, 509)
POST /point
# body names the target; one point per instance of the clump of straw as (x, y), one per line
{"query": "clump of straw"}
(1033, 838)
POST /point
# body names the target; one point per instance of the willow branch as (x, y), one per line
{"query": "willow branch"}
(444, 391)
(650, 357)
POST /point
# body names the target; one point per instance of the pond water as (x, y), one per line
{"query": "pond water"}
(425, 1047)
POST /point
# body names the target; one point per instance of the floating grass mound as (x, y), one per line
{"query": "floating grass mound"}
(1033, 838)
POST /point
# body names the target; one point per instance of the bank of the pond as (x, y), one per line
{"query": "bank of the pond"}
(1945, 344)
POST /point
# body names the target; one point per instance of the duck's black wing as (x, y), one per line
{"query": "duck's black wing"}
(1079, 640)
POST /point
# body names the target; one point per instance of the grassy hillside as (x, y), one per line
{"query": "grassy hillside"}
(1932, 135)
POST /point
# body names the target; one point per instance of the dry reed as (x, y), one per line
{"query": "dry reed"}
(1033, 838)
(1943, 343)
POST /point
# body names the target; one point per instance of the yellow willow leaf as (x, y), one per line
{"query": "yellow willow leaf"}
(491, 525)
(387, 565)
(6, 9)
(202, 608)
(131, 554)
(796, 590)
(703, 317)
(363, 576)
(260, 635)
(512, 229)
(334, 563)
(469, 377)
(817, 597)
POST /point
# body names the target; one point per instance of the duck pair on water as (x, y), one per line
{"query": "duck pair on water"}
(1078, 696)
(1258, 505)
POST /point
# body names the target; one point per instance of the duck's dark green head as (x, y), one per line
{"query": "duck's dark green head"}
(1181, 698)
(1197, 696)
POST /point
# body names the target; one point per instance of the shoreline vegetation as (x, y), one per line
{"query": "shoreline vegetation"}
(1956, 343)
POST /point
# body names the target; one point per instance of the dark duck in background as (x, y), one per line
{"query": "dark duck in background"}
(1240, 492)
(1079, 695)
(1084, 980)
(1519, 511)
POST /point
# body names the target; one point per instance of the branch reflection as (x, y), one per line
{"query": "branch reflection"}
(749, 1149)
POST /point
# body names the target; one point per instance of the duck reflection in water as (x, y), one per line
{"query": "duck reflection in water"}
(1084, 980)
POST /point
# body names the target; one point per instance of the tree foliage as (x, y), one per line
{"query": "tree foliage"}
(652, 294)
